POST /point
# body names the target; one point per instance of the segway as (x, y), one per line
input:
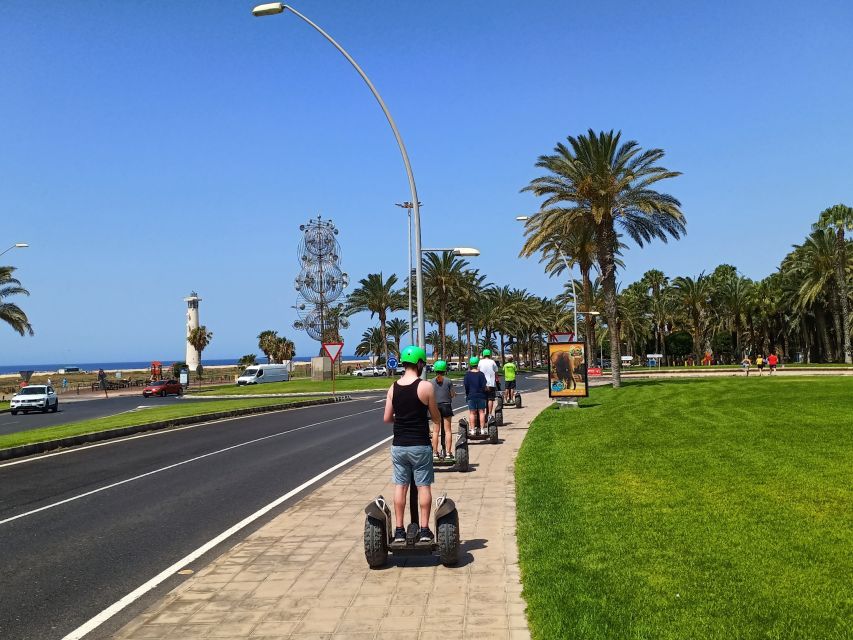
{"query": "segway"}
(460, 453)
(490, 432)
(379, 538)
(499, 410)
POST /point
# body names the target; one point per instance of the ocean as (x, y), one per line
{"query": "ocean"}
(140, 364)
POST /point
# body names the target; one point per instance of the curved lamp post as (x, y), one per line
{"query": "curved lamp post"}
(272, 8)
(17, 245)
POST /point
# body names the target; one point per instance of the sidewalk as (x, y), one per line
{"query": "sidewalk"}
(303, 575)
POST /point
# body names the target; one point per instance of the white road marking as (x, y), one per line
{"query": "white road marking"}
(137, 593)
(161, 432)
(172, 466)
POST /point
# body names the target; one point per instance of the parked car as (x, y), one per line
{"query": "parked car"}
(260, 373)
(34, 397)
(367, 372)
(399, 370)
(163, 388)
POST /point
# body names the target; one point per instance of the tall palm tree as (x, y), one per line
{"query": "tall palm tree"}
(694, 296)
(267, 343)
(597, 180)
(284, 350)
(199, 338)
(397, 328)
(378, 296)
(10, 313)
(838, 219)
(372, 342)
(443, 274)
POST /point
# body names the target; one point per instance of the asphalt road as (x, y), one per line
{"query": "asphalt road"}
(76, 410)
(81, 529)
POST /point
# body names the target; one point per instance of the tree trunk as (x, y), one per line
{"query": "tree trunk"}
(841, 282)
(442, 328)
(382, 319)
(823, 334)
(608, 277)
(588, 320)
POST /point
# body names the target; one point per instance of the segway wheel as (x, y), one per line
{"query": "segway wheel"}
(375, 543)
(463, 427)
(462, 458)
(493, 431)
(447, 537)
(499, 402)
(499, 417)
(518, 401)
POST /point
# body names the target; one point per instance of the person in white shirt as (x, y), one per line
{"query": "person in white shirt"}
(490, 369)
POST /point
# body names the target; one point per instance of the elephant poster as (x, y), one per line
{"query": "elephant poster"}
(567, 370)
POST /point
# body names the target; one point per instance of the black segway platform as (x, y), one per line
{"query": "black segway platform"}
(379, 531)
(459, 462)
(490, 433)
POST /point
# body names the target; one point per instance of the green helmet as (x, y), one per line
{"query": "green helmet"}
(413, 355)
(440, 366)
(473, 361)
(487, 353)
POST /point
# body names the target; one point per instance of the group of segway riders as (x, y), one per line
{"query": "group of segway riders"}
(409, 405)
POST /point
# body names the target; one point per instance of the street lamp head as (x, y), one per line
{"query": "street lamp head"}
(21, 245)
(466, 251)
(522, 218)
(268, 9)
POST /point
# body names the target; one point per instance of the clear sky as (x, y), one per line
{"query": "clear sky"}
(152, 148)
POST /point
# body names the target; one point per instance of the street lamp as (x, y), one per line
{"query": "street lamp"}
(571, 271)
(408, 207)
(17, 245)
(456, 251)
(272, 8)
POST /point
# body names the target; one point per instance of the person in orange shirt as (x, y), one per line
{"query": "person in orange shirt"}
(772, 361)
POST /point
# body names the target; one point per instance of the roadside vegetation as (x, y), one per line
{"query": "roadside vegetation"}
(690, 509)
(139, 417)
(298, 385)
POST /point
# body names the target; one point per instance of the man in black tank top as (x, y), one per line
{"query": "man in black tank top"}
(409, 404)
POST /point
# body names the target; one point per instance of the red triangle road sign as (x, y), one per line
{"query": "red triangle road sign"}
(333, 349)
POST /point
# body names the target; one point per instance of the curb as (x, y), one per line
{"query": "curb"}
(84, 438)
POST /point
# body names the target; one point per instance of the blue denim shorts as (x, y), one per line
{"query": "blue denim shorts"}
(474, 405)
(408, 459)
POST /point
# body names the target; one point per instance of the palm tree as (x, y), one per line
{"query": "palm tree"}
(199, 338)
(10, 313)
(283, 350)
(397, 328)
(378, 296)
(247, 361)
(597, 181)
(443, 274)
(694, 296)
(267, 342)
(838, 218)
(372, 342)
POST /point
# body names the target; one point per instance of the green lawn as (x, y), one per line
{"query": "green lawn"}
(144, 416)
(4, 405)
(717, 508)
(734, 367)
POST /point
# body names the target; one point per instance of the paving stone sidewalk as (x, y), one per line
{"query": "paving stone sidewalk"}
(304, 576)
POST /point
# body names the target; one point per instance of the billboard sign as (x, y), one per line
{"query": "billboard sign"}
(567, 370)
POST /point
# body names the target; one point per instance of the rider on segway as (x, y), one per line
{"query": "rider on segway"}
(408, 405)
(510, 371)
(475, 393)
(443, 389)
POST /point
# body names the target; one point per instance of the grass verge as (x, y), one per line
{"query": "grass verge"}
(715, 508)
(140, 417)
(347, 383)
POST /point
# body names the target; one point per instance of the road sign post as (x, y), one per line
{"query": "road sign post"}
(333, 349)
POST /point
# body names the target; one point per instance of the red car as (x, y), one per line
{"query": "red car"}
(163, 388)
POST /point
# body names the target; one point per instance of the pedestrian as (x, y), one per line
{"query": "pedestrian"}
(64, 384)
(102, 381)
(408, 406)
(759, 362)
(772, 361)
(745, 363)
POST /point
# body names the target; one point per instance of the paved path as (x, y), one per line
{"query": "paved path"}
(303, 575)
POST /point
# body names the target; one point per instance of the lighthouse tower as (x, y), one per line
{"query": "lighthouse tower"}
(192, 323)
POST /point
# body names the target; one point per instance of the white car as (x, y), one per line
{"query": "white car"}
(34, 397)
(367, 372)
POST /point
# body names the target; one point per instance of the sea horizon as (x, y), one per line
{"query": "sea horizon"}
(138, 364)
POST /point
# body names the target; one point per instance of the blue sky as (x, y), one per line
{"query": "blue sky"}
(151, 148)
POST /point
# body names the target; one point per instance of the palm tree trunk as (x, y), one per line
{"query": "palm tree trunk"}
(841, 282)
(382, 333)
(823, 334)
(608, 277)
(442, 328)
(588, 320)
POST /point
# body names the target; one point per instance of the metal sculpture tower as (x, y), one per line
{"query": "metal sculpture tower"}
(320, 281)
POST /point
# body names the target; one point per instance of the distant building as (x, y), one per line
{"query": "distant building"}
(192, 301)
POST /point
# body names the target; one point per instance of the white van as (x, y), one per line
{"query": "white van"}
(260, 373)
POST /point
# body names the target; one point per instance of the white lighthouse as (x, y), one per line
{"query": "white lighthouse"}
(192, 323)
